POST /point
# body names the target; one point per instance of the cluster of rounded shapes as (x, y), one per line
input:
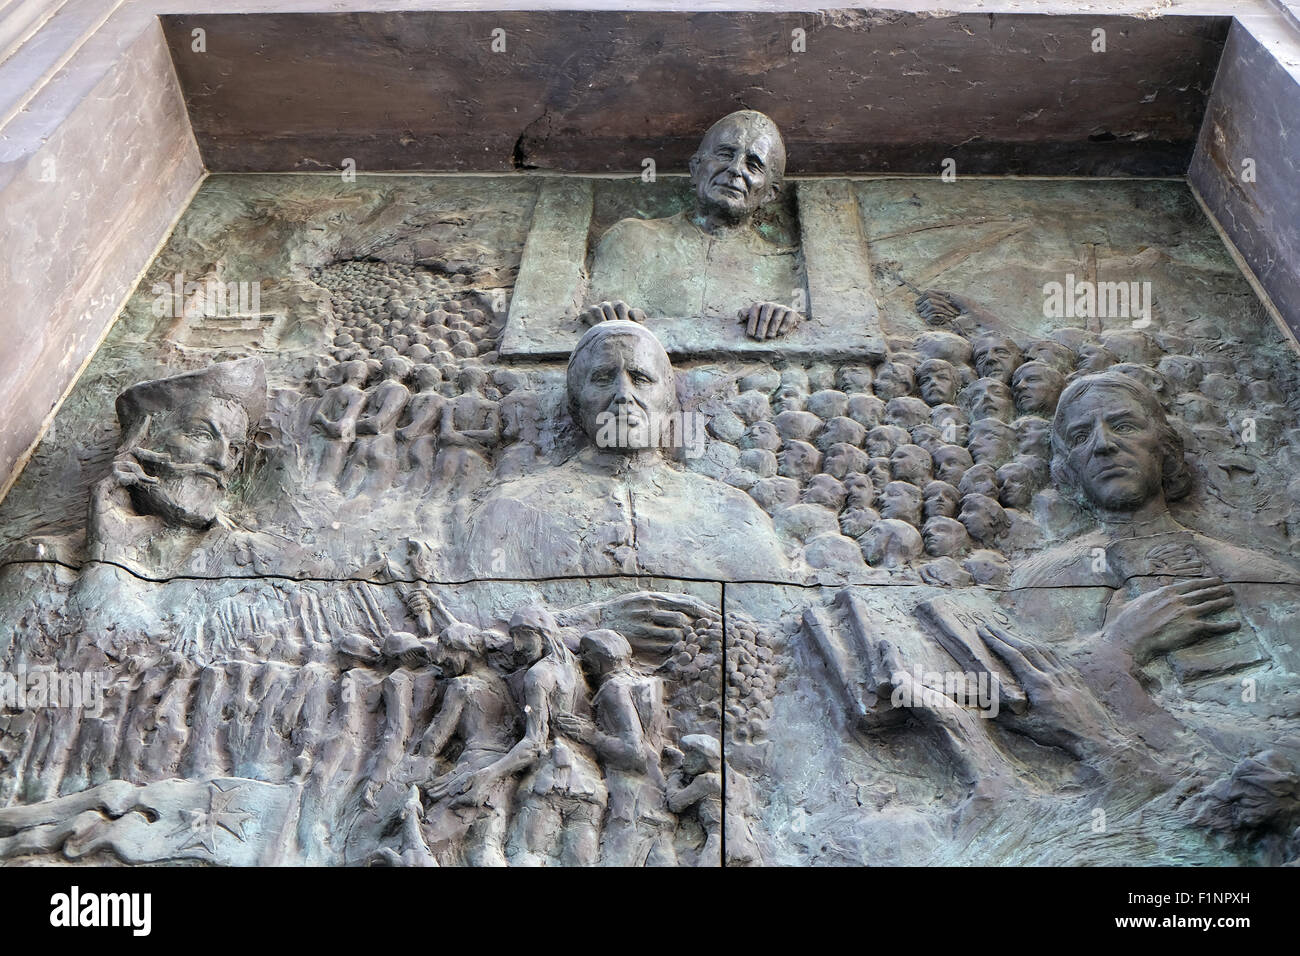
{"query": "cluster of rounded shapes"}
(385, 310)
(692, 677)
(938, 452)
(753, 669)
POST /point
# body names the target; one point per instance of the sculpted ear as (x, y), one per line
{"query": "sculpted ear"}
(773, 190)
(694, 165)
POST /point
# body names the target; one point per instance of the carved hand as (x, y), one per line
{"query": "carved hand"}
(609, 311)
(768, 320)
(128, 473)
(938, 308)
(652, 622)
(1170, 617)
(330, 427)
(579, 728)
(449, 785)
(886, 672)
(476, 793)
(710, 783)
(1062, 712)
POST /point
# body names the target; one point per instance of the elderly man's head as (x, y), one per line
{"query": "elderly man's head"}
(991, 441)
(889, 543)
(1094, 357)
(983, 517)
(940, 500)
(1015, 484)
(944, 536)
(843, 459)
(1112, 443)
(1033, 436)
(951, 462)
(1052, 354)
(881, 441)
(739, 166)
(911, 463)
(188, 432)
(901, 500)
(893, 380)
(621, 386)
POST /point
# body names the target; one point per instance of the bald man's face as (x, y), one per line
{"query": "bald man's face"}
(734, 170)
(624, 392)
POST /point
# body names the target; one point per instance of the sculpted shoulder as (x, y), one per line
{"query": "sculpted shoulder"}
(1066, 565)
(720, 526)
(1233, 563)
(637, 237)
(1072, 564)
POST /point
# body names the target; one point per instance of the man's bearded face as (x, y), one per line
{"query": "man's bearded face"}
(192, 454)
(938, 384)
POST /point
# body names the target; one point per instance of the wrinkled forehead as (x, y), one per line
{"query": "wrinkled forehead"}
(989, 346)
(623, 350)
(749, 133)
(1098, 400)
(228, 418)
(986, 430)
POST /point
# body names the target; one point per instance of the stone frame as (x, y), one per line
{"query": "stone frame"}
(549, 292)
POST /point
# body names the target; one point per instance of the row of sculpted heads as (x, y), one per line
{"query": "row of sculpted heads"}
(1110, 437)
(1110, 440)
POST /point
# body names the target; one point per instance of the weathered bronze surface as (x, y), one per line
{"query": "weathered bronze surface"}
(999, 565)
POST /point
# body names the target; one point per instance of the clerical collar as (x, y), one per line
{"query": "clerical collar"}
(722, 230)
(1130, 527)
(618, 464)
